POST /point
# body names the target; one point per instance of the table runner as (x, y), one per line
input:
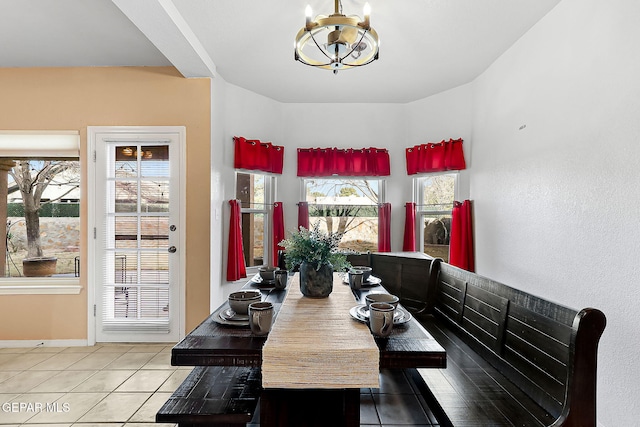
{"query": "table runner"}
(315, 343)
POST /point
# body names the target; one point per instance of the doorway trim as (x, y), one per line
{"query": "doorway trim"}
(92, 132)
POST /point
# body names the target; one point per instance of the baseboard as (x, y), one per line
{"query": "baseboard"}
(42, 343)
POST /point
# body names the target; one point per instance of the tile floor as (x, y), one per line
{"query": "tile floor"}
(116, 385)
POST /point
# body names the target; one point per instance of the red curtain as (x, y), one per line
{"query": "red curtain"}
(253, 154)
(343, 162)
(384, 227)
(461, 239)
(278, 230)
(409, 242)
(303, 215)
(235, 262)
(435, 157)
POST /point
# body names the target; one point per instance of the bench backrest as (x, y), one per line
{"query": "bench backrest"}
(541, 346)
(406, 276)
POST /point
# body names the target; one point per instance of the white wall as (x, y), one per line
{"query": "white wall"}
(557, 202)
(444, 116)
(235, 112)
(344, 126)
(218, 261)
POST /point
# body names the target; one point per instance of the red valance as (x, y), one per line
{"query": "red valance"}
(343, 162)
(253, 154)
(435, 157)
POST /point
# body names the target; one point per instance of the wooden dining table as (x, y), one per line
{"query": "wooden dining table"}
(215, 343)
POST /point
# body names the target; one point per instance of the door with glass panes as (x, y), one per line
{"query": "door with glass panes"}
(137, 235)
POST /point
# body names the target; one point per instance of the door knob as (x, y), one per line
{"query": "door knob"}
(172, 249)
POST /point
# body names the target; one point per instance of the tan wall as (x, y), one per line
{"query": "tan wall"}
(74, 98)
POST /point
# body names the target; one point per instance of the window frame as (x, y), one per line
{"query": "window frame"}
(267, 210)
(42, 144)
(382, 187)
(419, 184)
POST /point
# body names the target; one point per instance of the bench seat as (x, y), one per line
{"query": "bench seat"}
(513, 358)
(470, 391)
(224, 396)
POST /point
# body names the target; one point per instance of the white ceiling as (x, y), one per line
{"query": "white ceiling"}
(427, 46)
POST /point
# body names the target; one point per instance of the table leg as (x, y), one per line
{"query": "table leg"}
(310, 408)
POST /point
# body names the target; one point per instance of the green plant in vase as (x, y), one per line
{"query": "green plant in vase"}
(316, 254)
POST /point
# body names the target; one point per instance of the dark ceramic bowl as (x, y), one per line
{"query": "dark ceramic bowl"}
(388, 298)
(268, 273)
(366, 271)
(239, 301)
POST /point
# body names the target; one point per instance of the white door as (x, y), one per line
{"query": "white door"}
(136, 262)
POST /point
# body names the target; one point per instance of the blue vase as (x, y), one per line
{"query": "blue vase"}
(316, 283)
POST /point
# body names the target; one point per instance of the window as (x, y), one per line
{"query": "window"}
(40, 173)
(349, 206)
(255, 192)
(434, 199)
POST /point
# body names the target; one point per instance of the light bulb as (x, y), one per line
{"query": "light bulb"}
(367, 15)
(308, 13)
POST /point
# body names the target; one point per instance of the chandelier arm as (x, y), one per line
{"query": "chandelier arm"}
(360, 65)
(364, 33)
(315, 65)
(318, 46)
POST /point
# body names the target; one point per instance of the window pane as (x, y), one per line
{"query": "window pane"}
(154, 196)
(126, 229)
(437, 197)
(45, 195)
(126, 196)
(154, 161)
(137, 302)
(437, 229)
(348, 206)
(360, 233)
(253, 238)
(125, 168)
(250, 190)
(438, 192)
(154, 267)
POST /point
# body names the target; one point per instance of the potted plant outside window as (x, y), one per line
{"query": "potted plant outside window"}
(31, 178)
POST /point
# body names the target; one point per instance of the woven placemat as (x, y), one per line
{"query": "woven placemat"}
(315, 343)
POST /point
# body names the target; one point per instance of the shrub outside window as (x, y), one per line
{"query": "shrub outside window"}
(435, 195)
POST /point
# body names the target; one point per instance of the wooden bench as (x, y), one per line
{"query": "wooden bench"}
(223, 396)
(512, 358)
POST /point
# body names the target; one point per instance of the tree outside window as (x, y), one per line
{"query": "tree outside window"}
(43, 221)
(348, 206)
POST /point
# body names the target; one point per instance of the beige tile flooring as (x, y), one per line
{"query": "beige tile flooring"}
(110, 385)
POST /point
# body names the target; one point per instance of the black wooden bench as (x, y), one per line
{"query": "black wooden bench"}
(223, 396)
(512, 358)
